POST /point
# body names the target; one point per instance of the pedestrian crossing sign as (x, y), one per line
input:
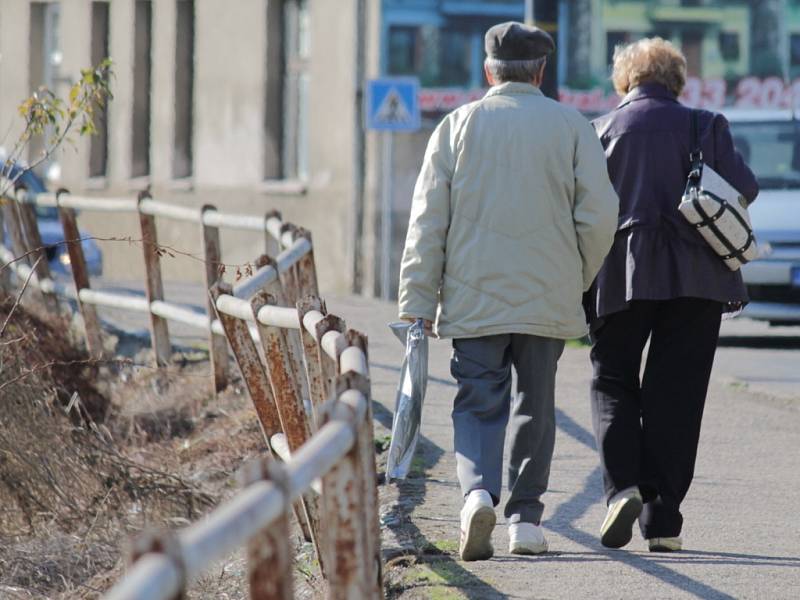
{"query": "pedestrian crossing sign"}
(393, 104)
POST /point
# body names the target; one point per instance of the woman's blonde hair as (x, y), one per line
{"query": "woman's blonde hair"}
(650, 60)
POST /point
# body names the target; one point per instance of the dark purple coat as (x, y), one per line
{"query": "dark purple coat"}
(656, 254)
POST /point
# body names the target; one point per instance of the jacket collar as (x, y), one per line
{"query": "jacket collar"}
(513, 87)
(648, 90)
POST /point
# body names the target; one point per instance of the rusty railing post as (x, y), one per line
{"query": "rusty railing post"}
(357, 381)
(14, 228)
(328, 365)
(269, 552)
(80, 276)
(350, 568)
(314, 376)
(159, 331)
(164, 543)
(30, 225)
(256, 380)
(286, 392)
(217, 346)
(306, 268)
(250, 365)
(293, 337)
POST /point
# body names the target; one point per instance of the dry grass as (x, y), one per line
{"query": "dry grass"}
(76, 484)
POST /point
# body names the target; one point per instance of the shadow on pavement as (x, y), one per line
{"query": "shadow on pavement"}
(412, 494)
(651, 564)
(563, 521)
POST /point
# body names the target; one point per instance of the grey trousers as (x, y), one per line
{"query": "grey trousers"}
(482, 368)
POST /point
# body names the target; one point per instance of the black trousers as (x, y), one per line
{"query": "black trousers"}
(647, 430)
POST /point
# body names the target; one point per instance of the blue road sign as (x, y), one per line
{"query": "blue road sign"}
(393, 104)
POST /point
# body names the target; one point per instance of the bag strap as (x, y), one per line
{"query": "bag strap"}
(696, 155)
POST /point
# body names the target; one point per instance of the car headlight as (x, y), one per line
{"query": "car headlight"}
(64, 259)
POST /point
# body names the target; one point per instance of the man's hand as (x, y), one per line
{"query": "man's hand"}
(427, 326)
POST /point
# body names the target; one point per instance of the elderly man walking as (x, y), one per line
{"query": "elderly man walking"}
(512, 216)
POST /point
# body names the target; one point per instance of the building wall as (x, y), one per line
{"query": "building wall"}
(237, 118)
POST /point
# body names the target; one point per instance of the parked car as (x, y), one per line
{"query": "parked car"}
(769, 141)
(50, 227)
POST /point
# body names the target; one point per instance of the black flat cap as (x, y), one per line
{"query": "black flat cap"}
(517, 41)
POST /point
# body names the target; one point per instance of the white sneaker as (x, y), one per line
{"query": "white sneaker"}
(526, 538)
(623, 510)
(665, 544)
(477, 522)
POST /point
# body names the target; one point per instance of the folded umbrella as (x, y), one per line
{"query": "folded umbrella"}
(409, 398)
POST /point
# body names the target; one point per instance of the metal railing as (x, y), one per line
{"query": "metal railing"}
(21, 223)
(309, 383)
(308, 379)
(340, 453)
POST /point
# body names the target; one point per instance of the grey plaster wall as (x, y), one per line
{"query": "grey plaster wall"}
(234, 122)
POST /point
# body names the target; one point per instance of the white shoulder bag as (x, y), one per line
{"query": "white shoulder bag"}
(717, 210)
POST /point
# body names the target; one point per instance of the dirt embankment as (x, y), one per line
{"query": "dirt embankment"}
(93, 452)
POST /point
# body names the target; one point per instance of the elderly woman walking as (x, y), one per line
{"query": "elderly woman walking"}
(661, 282)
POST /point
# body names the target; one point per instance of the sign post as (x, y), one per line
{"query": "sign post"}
(392, 105)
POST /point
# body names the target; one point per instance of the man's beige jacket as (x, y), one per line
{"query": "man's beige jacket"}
(512, 217)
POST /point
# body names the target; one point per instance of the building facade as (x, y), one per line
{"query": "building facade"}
(725, 42)
(248, 105)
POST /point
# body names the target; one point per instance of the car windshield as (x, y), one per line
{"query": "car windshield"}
(772, 149)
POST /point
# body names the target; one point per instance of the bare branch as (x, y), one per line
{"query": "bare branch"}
(162, 249)
(19, 296)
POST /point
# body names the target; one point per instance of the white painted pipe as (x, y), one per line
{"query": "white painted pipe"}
(170, 211)
(153, 577)
(318, 455)
(124, 301)
(332, 343)
(271, 316)
(248, 222)
(230, 526)
(279, 316)
(216, 327)
(274, 225)
(280, 446)
(235, 307)
(97, 204)
(247, 288)
(289, 257)
(267, 274)
(353, 359)
(310, 321)
(182, 314)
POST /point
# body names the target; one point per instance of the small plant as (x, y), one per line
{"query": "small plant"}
(58, 120)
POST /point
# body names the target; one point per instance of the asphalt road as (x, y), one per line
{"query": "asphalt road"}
(764, 359)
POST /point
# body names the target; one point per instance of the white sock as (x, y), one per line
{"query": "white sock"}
(480, 495)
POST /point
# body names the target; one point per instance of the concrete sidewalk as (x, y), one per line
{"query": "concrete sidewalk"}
(741, 530)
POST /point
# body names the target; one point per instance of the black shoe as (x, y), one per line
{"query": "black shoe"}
(616, 530)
